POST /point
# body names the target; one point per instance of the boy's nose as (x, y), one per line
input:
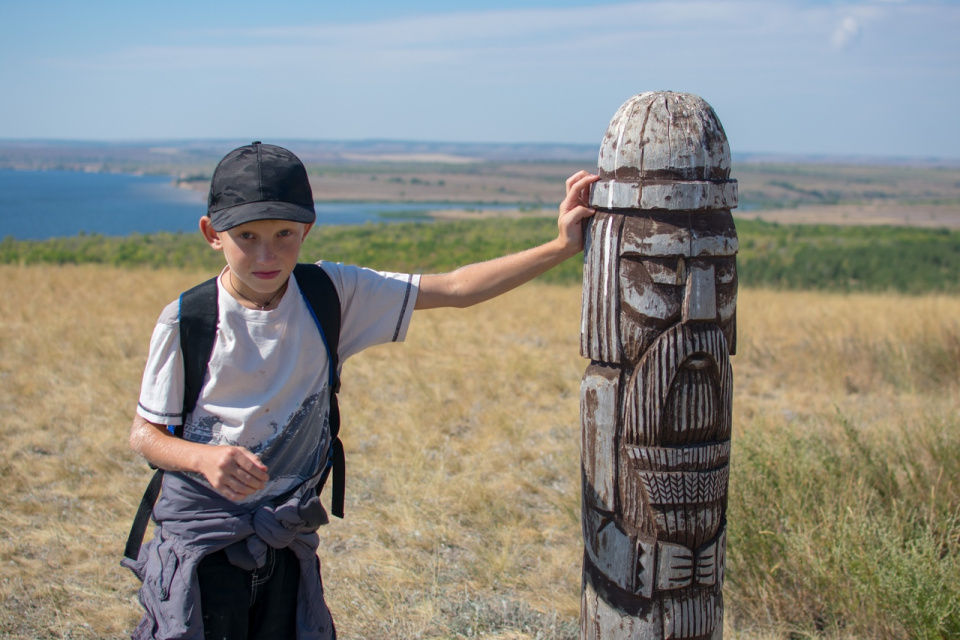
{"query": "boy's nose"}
(700, 298)
(267, 252)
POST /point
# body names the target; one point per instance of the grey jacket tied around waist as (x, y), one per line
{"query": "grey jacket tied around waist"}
(194, 521)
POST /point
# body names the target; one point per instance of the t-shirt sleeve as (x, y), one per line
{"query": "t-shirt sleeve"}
(375, 306)
(161, 390)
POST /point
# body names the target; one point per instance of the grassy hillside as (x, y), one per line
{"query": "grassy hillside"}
(824, 257)
(838, 258)
(463, 465)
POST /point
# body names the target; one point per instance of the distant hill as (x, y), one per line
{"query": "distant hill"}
(186, 157)
(177, 156)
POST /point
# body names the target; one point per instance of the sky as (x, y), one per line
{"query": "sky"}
(832, 77)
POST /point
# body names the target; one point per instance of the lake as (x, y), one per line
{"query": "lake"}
(36, 205)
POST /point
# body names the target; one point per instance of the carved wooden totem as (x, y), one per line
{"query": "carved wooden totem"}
(659, 326)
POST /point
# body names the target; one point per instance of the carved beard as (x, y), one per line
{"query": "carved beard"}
(674, 449)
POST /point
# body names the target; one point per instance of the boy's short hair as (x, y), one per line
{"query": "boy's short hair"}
(259, 182)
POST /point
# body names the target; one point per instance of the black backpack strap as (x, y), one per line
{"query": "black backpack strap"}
(324, 303)
(139, 526)
(198, 333)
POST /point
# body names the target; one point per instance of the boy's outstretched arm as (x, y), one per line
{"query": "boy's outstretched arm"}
(485, 280)
(233, 471)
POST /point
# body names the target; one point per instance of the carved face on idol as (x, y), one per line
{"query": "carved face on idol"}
(678, 324)
(676, 268)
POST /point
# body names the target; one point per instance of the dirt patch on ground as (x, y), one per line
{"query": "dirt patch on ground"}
(922, 215)
(477, 214)
(898, 214)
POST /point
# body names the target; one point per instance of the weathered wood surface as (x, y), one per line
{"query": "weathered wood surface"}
(658, 325)
(665, 150)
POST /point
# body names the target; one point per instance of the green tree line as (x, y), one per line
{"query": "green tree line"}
(903, 259)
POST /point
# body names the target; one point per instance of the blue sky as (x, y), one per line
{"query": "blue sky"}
(841, 77)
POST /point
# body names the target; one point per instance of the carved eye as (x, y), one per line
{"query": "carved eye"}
(668, 271)
(726, 269)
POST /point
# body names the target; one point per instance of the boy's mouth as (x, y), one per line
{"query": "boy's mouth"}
(266, 275)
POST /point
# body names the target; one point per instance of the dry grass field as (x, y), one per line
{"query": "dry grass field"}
(463, 465)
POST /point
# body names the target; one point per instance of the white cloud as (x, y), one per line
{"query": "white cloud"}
(847, 34)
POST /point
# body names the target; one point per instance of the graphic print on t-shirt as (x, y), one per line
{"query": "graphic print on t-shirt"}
(294, 452)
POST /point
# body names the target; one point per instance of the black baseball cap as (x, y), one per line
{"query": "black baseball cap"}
(259, 182)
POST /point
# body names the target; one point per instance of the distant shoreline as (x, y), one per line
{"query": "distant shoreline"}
(844, 195)
(384, 150)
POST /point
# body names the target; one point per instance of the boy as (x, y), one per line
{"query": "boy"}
(234, 554)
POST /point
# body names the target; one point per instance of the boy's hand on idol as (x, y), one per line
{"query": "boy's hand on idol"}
(574, 209)
(233, 471)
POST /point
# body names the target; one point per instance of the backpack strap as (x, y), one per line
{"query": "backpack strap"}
(139, 526)
(198, 332)
(199, 314)
(324, 304)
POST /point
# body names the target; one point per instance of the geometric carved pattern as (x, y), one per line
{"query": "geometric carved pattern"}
(685, 487)
(690, 525)
(693, 614)
(646, 566)
(679, 567)
(674, 566)
(680, 458)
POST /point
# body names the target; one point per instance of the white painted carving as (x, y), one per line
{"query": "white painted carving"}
(658, 324)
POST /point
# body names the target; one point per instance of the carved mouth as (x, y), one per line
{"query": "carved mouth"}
(699, 361)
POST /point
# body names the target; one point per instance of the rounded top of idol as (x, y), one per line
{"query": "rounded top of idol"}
(665, 150)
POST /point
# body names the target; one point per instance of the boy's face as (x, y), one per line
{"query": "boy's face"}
(261, 254)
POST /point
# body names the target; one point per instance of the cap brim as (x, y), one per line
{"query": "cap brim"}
(266, 210)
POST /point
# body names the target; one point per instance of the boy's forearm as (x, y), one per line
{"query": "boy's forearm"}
(231, 470)
(160, 448)
(482, 281)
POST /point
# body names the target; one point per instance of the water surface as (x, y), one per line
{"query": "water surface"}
(36, 205)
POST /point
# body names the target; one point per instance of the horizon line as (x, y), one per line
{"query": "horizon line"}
(813, 157)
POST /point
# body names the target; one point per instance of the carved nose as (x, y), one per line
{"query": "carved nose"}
(700, 298)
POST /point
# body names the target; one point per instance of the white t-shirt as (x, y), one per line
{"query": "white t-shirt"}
(267, 383)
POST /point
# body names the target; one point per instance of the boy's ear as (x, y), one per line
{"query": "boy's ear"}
(211, 235)
(306, 230)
